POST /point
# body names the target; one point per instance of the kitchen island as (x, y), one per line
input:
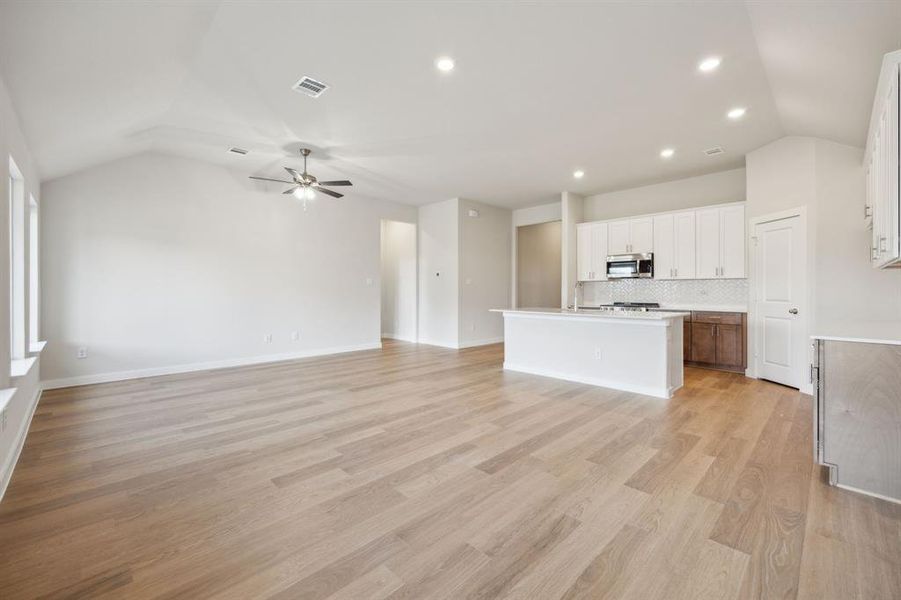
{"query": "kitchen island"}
(632, 351)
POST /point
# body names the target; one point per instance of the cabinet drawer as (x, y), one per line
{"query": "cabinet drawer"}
(716, 318)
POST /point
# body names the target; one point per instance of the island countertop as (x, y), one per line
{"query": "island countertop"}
(630, 315)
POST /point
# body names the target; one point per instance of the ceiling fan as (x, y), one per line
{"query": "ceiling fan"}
(303, 185)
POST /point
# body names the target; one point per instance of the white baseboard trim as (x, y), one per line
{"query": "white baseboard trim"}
(400, 338)
(484, 342)
(51, 384)
(866, 493)
(10, 463)
(615, 385)
(439, 344)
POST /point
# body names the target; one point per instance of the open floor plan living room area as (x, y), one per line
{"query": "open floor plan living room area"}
(380, 300)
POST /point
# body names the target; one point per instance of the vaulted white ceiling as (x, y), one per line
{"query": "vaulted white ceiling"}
(539, 90)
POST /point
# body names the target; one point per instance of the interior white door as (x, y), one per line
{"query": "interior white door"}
(708, 243)
(599, 251)
(683, 245)
(780, 292)
(732, 242)
(583, 251)
(664, 247)
(618, 234)
(641, 235)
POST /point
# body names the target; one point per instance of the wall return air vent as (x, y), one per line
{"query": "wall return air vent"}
(714, 151)
(309, 86)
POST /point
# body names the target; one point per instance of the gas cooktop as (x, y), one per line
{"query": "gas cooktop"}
(634, 306)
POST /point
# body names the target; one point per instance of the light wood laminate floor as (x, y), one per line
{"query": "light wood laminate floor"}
(418, 472)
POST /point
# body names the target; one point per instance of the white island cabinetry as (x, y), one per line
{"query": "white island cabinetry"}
(637, 352)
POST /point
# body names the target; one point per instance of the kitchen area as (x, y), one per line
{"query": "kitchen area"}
(652, 292)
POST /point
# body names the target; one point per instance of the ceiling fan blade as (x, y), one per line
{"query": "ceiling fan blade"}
(329, 192)
(297, 176)
(268, 179)
(291, 190)
(342, 182)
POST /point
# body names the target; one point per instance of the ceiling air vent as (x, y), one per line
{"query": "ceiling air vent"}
(714, 151)
(310, 87)
(236, 150)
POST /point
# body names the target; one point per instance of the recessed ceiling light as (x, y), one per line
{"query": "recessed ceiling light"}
(579, 174)
(737, 112)
(709, 64)
(667, 153)
(445, 64)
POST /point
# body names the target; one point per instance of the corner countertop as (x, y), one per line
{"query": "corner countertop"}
(866, 332)
(734, 308)
(651, 315)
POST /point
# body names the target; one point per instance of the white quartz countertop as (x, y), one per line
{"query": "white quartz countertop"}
(869, 332)
(651, 315)
(739, 308)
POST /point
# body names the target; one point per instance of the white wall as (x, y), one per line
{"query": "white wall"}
(533, 215)
(715, 188)
(847, 287)
(399, 280)
(21, 401)
(485, 258)
(439, 244)
(156, 264)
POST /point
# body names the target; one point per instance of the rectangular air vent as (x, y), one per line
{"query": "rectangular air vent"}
(235, 150)
(714, 151)
(310, 87)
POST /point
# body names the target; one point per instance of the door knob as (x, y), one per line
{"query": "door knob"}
(793, 311)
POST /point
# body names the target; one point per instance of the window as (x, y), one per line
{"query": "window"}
(33, 274)
(16, 261)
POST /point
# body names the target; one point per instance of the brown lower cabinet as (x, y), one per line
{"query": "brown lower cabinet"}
(715, 340)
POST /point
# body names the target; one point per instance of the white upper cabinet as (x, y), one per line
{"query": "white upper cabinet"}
(631, 236)
(642, 235)
(708, 243)
(664, 242)
(591, 251)
(674, 246)
(883, 204)
(720, 242)
(732, 222)
(618, 237)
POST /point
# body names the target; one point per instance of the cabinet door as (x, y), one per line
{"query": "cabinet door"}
(618, 234)
(683, 245)
(641, 235)
(583, 251)
(707, 223)
(599, 251)
(664, 247)
(703, 343)
(732, 242)
(728, 346)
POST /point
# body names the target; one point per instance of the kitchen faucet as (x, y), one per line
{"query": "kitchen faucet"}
(576, 295)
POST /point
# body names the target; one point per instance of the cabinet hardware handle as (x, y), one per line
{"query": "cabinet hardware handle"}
(676, 274)
(882, 244)
(867, 211)
(793, 311)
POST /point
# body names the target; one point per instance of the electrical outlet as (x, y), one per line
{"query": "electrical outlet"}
(267, 338)
(472, 326)
(369, 281)
(295, 336)
(82, 352)
(597, 353)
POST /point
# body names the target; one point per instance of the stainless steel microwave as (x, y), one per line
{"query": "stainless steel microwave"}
(630, 266)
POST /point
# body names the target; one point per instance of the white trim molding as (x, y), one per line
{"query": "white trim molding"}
(662, 392)
(202, 366)
(10, 463)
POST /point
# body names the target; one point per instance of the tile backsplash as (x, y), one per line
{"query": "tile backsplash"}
(687, 291)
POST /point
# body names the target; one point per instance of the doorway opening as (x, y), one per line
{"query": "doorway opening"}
(538, 265)
(398, 276)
